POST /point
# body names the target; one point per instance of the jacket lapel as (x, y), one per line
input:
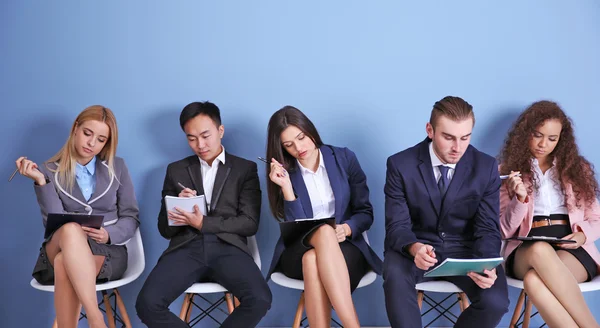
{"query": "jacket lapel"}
(195, 173)
(426, 169)
(333, 172)
(222, 174)
(301, 191)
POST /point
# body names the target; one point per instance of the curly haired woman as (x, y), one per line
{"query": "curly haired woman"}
(551, 191)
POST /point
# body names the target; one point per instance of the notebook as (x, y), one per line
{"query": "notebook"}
(57, 220)
(460, 267)
(186, 204)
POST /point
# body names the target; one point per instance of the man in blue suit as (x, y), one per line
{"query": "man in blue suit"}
(442, 201)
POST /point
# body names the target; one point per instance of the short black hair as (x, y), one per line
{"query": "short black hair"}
(200, 108)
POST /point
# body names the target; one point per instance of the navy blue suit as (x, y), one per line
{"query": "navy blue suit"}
(465, 224)
(352, 205)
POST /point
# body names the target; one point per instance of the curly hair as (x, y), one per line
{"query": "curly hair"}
(570, 165)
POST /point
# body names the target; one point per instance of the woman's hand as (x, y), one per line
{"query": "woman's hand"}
(29, 169)
(515, 184)
(279, 175)
(578, 236)
(99, 235)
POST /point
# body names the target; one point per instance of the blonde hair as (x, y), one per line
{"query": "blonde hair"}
(65, 158)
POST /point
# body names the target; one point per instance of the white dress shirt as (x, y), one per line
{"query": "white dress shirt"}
(549, 198)
(209, 173)
(435, 162)
(319, 190)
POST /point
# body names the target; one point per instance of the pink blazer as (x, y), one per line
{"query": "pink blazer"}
(516, 219)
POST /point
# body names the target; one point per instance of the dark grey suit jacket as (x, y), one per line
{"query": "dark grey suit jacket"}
(234, 212)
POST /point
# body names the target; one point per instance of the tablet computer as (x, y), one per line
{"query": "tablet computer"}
(56, 220)
(551, 240)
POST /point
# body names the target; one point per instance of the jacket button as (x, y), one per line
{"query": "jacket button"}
(443, 234)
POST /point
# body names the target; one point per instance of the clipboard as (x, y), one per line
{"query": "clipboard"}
(186, 204)
(460, 267)
(57, 220)
(291, 231)
(550, 240)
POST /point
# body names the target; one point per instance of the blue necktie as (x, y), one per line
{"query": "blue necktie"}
(443, 181)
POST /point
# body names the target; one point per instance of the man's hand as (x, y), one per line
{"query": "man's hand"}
(481, 280)
(424, 255)
(193, 219)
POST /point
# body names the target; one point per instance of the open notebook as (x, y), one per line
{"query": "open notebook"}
(186, 204)
(460, 267)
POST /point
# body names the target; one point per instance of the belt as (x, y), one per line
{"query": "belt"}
(548, 222)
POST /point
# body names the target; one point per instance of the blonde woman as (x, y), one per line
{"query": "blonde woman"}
(86, 177)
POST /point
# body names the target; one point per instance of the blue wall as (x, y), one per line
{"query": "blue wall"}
(367, 73)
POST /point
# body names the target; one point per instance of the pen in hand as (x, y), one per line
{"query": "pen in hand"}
(15, 172)
(182, 186)
(431, 252)
(504, 177)
(263, 159)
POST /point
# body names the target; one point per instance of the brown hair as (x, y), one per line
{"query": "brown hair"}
(571, 166)
(454, 108)
(65, 158)
(280, 121)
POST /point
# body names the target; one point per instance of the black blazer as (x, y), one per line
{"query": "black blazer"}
(235, 209)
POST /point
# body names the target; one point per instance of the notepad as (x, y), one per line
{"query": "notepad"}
(460, 267)
(186, 204)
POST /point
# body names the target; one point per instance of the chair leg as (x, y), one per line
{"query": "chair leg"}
(191, 307)
(465, 301)
(109, 313)
(420, 299)
(229, 300)
(185, 307)
(55, 324)
(527, 315)
(299, 312)
(518, 308)
(121, 307)
(460, 302)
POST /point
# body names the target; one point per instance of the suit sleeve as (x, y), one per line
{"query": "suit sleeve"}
(127, 209)
(362, 210)
(169, 189)
(487, 225)
(293, 210)
(47, 196)
(245, 223)
(398, 224)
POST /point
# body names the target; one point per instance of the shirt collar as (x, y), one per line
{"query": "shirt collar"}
(220, 158)
(321, 164)
(435, 161)
(89, 167)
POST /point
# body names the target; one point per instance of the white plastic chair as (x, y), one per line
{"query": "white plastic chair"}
(525, 314)
(283, 280)
(135, 266)
(441, 286)
(210, 288)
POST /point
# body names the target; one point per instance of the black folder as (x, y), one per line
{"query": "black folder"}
(291, 231)
(551, 240)
(56, 220)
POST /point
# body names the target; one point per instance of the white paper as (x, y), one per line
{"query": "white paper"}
(186, 204)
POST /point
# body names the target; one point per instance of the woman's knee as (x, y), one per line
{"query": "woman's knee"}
(70, 230)
(309, 260)
(323, 233)
(532, 281)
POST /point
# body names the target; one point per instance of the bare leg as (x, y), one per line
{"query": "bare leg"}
(318, 307)
(334, 274)
(557, 278)
(66, 301)
(553, 313)
(80, 266)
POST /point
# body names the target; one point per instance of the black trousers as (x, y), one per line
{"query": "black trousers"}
(206, 258)
(400, 275)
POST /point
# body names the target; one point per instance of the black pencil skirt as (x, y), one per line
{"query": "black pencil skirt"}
(557, 231)
(290, 262)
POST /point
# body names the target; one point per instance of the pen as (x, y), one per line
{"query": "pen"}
(263, 159)
(431, 252)
(504, 177)
(15, 172)
(182, 186)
